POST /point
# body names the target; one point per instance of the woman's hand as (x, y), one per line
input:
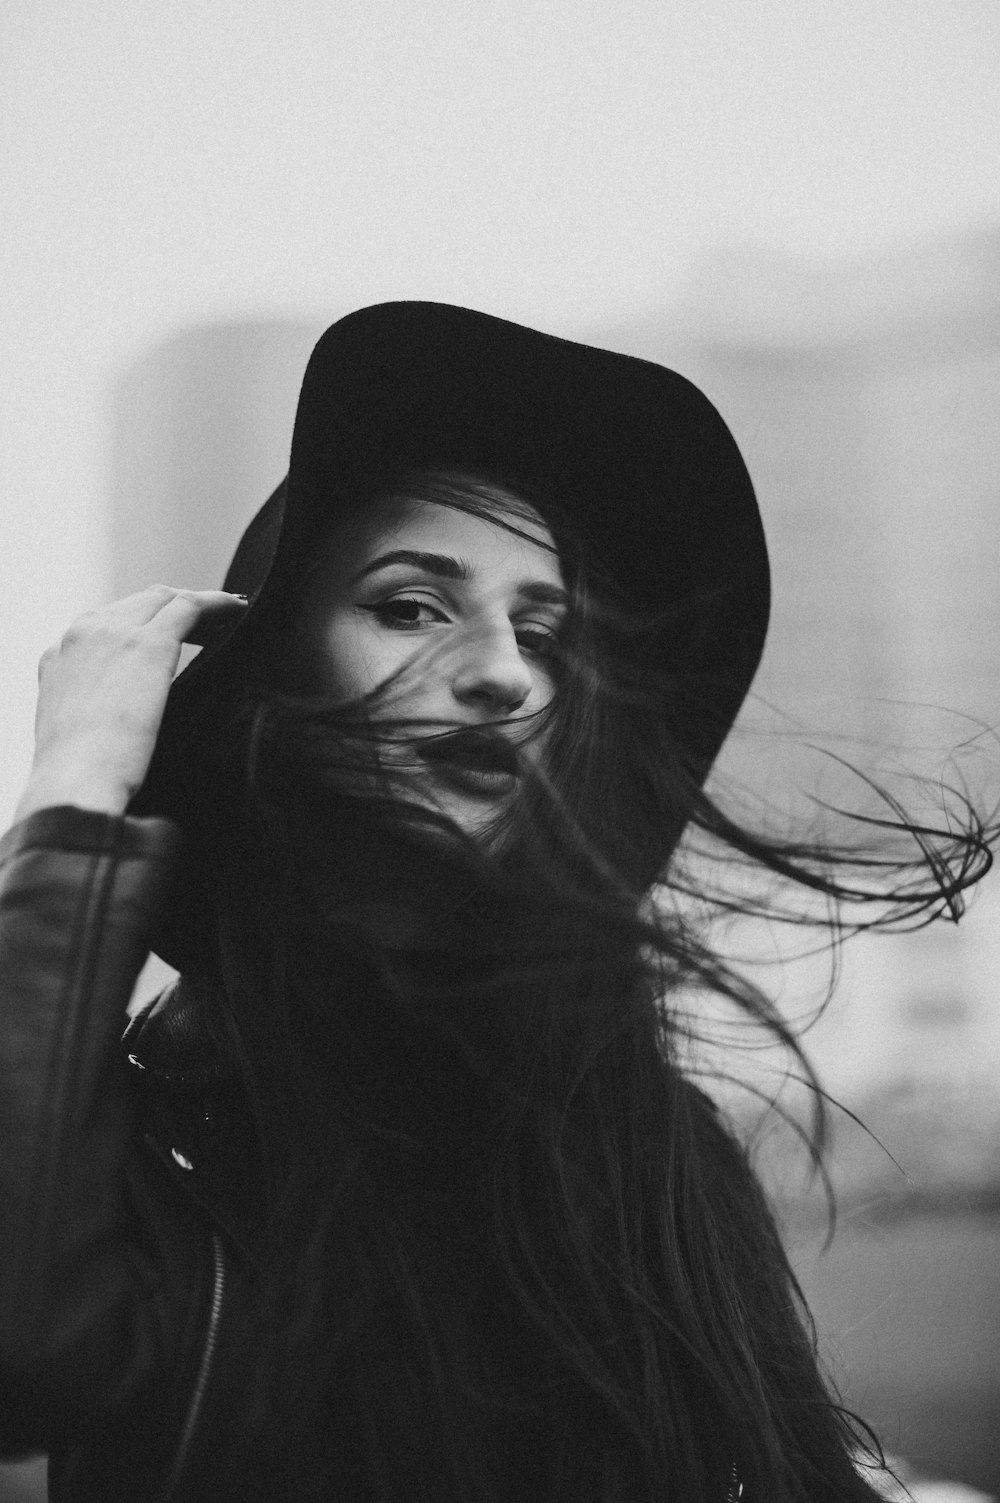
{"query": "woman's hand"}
(102, 690)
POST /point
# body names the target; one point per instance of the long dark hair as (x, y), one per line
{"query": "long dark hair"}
(514, 1250)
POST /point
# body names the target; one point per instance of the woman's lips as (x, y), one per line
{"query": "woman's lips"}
(475, 780)
(475, 762)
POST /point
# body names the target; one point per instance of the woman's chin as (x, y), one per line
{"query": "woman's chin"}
(476, 813)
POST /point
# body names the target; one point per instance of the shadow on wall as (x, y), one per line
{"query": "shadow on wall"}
(201, 430)
(864, 400)
(200, 434)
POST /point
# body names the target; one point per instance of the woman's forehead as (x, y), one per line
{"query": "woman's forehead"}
(484, 537)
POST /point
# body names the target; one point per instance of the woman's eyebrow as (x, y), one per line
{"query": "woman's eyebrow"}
(431, 563)
(443, 566)
(540, 592)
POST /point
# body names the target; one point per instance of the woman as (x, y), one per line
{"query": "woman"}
(401, 1191)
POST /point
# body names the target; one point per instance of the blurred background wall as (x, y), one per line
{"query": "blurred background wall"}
(795, 202)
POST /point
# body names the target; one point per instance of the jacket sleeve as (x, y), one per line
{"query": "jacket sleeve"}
(81, 1301)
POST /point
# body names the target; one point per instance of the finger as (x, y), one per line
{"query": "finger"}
(145, 605)
(198, 616)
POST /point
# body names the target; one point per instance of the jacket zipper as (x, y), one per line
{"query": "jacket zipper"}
(734, 1492)
(204, 1369)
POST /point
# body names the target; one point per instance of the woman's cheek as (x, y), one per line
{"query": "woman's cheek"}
(356, 657)
(377, 659)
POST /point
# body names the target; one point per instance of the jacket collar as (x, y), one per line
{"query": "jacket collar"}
(169, 1037)
(192, 1116)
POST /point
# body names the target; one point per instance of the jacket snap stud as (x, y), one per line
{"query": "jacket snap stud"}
(179, 1158)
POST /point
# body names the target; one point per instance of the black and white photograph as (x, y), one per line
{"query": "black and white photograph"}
(500, 771)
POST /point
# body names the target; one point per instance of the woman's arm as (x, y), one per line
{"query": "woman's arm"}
(79, 891)
(83, 1292)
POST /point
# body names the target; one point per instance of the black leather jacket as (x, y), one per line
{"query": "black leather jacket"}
(130, 1195)
(127, 1189)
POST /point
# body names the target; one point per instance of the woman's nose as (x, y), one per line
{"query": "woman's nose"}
(491, 672)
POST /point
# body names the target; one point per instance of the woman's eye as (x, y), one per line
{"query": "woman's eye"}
(538, 640)
(405, 613)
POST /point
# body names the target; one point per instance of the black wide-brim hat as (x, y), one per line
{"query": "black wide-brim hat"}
(632, 455)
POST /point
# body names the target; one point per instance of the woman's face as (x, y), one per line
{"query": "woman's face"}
(455, 619)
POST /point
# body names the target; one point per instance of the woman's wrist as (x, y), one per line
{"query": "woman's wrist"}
(47, 788)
